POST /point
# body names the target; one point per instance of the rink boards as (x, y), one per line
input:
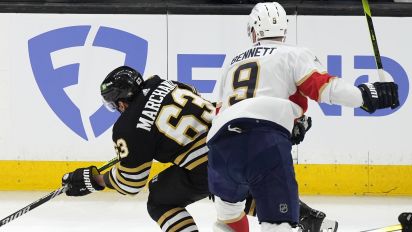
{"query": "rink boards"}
(53, 120)
(313, 179)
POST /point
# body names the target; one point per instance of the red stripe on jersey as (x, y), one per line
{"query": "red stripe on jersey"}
(300, 100)
(313, 85)
(217, 110)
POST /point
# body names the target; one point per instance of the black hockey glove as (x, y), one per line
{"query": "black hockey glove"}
(379, 95)
(81, 182)
(301, 126)
(406, 221)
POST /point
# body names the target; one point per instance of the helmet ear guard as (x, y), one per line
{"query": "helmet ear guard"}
(123, 83)
(268, 20)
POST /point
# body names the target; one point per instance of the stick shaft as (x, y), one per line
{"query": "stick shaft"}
(372, 34)
(47, 198)
(368, 16)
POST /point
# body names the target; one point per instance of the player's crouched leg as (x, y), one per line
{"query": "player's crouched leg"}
(172, 218)
(171, 191)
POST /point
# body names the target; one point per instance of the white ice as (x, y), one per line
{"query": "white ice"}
(109, 211)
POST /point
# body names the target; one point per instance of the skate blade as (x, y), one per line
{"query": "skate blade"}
(329, 226)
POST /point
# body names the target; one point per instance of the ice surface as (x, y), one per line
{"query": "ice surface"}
(109, 211)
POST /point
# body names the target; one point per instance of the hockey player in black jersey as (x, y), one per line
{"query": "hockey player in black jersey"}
(160, 120)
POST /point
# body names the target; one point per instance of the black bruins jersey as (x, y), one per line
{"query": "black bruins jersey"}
(168, 122)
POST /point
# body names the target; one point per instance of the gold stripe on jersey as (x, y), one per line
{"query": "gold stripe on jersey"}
(309, 75)
(136, 184)
(323, 87)
(181, 225)
(235, 219)
(303, 94)
(169, 213)
(252, 208)
(197, 162)
(124, 186)
(199, 143)
(115, 186)
(136, 169)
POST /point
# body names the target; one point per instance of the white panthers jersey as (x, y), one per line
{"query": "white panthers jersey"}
(272, 81)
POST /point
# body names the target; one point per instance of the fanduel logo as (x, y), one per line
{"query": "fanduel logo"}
(52, 81)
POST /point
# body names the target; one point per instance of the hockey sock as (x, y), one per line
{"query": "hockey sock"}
(241, 225)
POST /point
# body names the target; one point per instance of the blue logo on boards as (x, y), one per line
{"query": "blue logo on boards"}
(393, 68)
(52, 81)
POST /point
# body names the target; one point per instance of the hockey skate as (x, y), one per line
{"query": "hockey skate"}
(312, 220)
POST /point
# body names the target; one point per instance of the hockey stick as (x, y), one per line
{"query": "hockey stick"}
(48, 197)
(406, 224)
(368, 15)
(386, 229)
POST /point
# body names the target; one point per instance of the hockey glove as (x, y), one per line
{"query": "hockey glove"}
(81, 182)
(406, 221)
(301, 126)
(379, 95)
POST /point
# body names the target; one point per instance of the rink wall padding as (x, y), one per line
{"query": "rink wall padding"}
(192, 7)
(370, 180)
(45, 175)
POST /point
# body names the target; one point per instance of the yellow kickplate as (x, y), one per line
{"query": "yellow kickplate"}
(313, 179)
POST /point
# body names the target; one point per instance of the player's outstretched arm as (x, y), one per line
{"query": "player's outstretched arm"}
(379, 95)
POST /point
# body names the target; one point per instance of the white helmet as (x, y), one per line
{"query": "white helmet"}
(268, 19)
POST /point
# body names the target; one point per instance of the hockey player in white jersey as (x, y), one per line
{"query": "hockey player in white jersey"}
(262, 91)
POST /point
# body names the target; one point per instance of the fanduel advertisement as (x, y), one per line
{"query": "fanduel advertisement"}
(58, 62)
(57, 65)
(52, 82)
